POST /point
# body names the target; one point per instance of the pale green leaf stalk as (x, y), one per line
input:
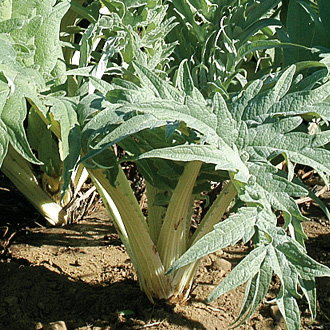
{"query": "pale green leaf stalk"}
(216, 212)
(132, 228)
(156, 213)
(177, 222)
(184, 277)
(19, 171)
(68, 20)
(80, 176)
(172, 225)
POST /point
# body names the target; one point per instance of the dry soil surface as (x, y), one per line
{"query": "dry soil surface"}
(80, 277)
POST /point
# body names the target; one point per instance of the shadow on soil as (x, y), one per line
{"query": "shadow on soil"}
(31, 294)
(73, 235)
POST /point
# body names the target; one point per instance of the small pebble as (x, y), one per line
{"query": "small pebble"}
(39, 326)
(59, 325)
(222, 264)
(219, 253)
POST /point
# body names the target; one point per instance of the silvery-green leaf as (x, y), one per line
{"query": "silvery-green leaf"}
(255, 291)
(238, 104)
(290, 262)
(278, 191)
(244, 271)
(270, 139)
(289, 309)
(131, 126)
(13, 116)
(185, 83)
(299, 100)
(64, 112)
(196, 116)
(224, 157)
(226, 125)
(307, 284)
(157, 85)
(8, 25)
(225, 233)
(47, 53)
(264, 101)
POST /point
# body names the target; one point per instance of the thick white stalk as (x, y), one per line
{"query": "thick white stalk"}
(184, 276)
(80, 175)
(174, 235)
(19, 171)
(131, 225)
(216, 212)
(156, 213)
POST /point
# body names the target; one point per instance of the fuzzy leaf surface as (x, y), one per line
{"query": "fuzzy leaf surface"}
(225, 233)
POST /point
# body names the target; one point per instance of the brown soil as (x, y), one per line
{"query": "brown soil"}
(81, 275)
